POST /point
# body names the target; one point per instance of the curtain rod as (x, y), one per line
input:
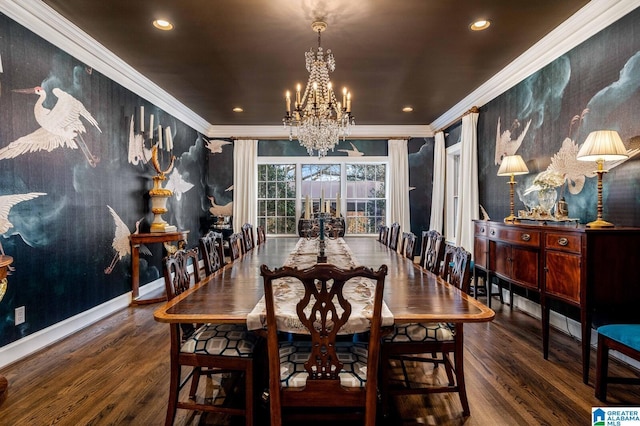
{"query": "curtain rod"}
(474, 109)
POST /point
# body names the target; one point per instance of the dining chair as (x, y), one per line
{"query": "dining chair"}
(408, 245)
(311, 377)
(261, 234)
(234, 245)
(247, 233)
(383, 234)
(624, 338)
(445, 265)
(432, 250)
(430, 343)
(207, 348)
(394, 235)
(212, 252)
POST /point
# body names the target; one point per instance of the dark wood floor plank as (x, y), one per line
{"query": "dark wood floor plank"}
(116, 372)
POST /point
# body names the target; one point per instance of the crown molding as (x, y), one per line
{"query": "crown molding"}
(359, 131)
(51, 26)
(591, 19)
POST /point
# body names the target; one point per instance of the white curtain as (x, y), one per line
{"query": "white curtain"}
(244, 183)
(468, 199)
(399, 184)
(438, 191)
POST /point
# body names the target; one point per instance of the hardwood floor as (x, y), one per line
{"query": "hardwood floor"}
(115, 372)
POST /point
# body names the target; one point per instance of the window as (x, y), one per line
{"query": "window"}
(320, 180)
(366, 197)
(451, 183)
(277, 198)
(283, 190)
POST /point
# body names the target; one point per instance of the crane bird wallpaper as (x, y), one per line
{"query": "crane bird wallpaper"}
(75, 171)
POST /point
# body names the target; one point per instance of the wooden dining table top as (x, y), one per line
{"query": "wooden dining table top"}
(411, 293)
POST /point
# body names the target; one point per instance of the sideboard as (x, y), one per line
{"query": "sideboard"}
(594, 270)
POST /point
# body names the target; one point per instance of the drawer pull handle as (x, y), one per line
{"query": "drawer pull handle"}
(493, 232)
(563, 241)
(482, 230)
(525, 237)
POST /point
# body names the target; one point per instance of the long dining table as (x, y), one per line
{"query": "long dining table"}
(411, 293)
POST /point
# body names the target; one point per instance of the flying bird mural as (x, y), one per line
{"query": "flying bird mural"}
(60, 126)
(121, 243)
(177, 184)
(6, 203)
(215, 145)
(220, 210)
(504, 144)
(352, 152)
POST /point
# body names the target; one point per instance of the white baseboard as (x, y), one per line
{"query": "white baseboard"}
(561, 323)
(41, 339)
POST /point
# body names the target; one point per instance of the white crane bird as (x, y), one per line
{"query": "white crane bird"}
(121, 243)
(60, 127)
(8, 201)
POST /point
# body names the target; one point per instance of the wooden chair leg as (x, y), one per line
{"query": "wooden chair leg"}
(195, 380)
(385, 372)
(602, 368)
(459, 360)
(449, 368)
(248, 403)
(174, 392)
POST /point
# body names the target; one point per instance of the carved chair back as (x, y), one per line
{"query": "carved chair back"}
(235, 241)
(323, 310)
(394, 236)
(247, 233)
(211, 247)
(432, 251)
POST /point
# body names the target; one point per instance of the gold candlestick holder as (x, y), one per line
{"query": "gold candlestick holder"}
(160, 195)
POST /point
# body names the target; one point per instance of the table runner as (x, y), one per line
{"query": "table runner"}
(287, 292)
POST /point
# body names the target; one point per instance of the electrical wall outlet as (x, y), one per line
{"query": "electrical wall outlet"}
(20, 315)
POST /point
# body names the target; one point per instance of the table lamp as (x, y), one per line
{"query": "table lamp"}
(601, 146)
(512, 165)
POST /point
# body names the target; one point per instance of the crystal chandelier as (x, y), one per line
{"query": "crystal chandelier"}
(319, 119)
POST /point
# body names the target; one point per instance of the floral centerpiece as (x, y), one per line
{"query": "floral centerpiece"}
(546, 183)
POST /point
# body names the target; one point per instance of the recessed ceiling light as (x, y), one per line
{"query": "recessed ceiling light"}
(407, 109)
(238, 109)
(480, 24)
(163, 24)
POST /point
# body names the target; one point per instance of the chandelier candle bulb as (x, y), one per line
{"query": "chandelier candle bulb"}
(151, 126)
(167, 138)
(288, 101)
(349, 102)
(142, 119)
(159, 137)
(298, 97)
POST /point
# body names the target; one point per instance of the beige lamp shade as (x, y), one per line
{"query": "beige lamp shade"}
(603, 145)
(512, 165)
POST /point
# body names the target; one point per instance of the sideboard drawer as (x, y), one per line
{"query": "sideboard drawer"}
(516, 236)
(563, 241)
(481, 229)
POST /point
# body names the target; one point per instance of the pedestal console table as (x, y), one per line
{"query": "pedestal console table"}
(148, 238)
(594, 270)
(5, 261)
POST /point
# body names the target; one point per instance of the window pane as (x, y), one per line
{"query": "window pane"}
(366, 197)
(276, 196)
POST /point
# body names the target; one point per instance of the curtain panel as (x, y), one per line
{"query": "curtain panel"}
(245, 152)
(438, 194)
(399, 184)
(468, 198)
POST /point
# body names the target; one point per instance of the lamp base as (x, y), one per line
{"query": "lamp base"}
(599, 223)
(511, 219)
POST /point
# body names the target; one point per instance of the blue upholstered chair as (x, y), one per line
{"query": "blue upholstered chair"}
(624, 338)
